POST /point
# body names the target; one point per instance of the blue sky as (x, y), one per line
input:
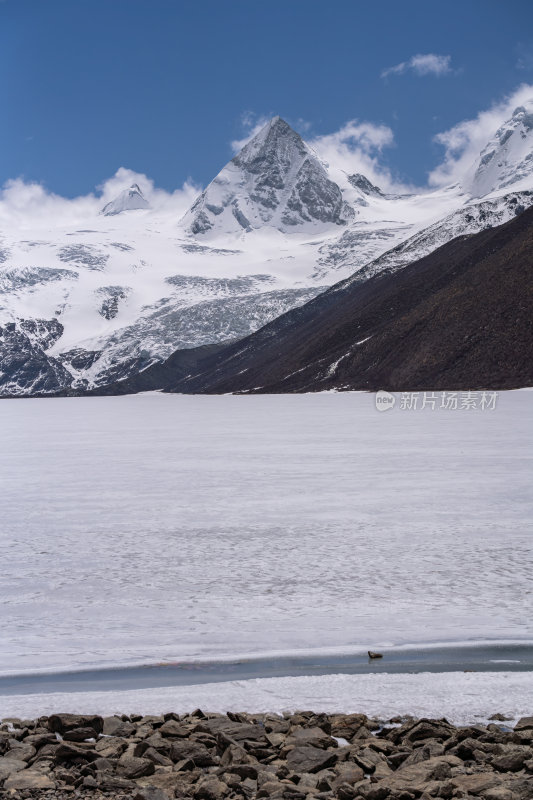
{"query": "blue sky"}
(163, 87)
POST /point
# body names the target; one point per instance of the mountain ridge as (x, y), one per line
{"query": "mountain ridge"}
(461, 318)
(135, 284)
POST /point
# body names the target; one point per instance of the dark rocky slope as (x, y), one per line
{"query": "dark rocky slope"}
(460, 318)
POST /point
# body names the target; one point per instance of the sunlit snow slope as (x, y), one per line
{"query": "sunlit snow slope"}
(88, 304)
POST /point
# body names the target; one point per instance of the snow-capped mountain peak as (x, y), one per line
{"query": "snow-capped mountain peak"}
(508, 157)
(275, 180)
(128, 200)
(87, 305)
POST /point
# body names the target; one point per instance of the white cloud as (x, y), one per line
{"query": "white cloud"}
(29, 205)
(464, 142)
(422, 64)
(357, 147)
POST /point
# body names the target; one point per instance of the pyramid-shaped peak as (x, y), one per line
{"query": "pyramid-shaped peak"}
(275, 181)
(276, 143)
(129, 199)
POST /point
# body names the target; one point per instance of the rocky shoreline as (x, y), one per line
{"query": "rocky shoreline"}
(238, 756)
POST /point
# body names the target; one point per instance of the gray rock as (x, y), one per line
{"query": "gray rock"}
(29, 779)
(150, 793)
(110, 748)
(195, 751)
(132, 767)
(310, 759)
(79, 734)
(512, 759)
(60, 723)
(477, 783)
(8, 766)
(315, 737)
(20, 750)
(114, 726)
(525, 723)
(72, 752)
(210, 788)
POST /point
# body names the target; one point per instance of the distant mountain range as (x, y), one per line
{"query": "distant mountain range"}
(460, 318)
(88, 307)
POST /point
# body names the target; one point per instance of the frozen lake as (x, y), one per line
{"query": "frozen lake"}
(167, 528)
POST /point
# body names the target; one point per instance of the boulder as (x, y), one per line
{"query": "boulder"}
(210, 788)
(150, 793)
(499, 793)
(416, 776)
(157, 758)
(29, 779)
(132, 767)
(79, 734)
(115, 726)
(61, 723)
(115, 783)
(310, 759)
(195, 751)
(234, 730)
(74, 752)
(523, 724)
(20, 750)
(314, 737)
(8, 766)
(477, 783)
(347, 772)
(175, 728)
(429, 729)
(512, 759)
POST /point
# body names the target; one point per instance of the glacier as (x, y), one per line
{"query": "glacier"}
(125, 288)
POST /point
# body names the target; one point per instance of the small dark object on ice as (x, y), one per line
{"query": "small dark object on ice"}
(371, 654)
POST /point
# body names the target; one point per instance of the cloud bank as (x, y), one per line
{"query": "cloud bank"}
(358, 146)
(28, 204)
(422, 64)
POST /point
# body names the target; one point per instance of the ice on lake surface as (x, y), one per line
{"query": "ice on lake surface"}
(162, 528)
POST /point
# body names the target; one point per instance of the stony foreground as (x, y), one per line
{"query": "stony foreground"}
(303, 756)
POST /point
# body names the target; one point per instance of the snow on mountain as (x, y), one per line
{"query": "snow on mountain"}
(275, 180)
(121, 291)
(508, 157)
(128, 200)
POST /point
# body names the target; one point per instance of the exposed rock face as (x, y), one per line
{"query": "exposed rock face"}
(109, 298)
(247, 756)
(359, 181)
(25, 368)
(275, 180)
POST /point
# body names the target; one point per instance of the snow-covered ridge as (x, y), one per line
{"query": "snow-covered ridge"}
(508, 157)
(130, 285)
